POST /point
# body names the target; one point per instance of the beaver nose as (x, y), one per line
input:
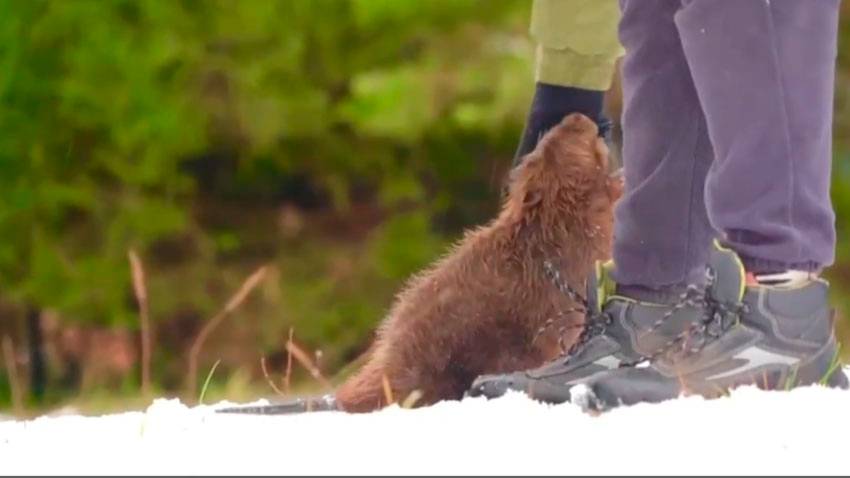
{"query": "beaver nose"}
(580, 124)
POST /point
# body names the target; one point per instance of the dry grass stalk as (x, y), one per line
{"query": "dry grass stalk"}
(287, 379)
(141, 292)
(12, 371)
(388, 391)
(304, 359)
(235, 301)
(269, 379)
(318, 358)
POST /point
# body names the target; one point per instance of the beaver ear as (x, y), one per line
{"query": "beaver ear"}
(531, 198)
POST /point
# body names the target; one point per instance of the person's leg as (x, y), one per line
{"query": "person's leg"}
(662, 233)
(576, 52)
(764, 72)
(755, 65)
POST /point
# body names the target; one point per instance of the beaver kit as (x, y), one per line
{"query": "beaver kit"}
(489, 306)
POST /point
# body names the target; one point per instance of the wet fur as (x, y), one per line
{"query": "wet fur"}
(478, 309)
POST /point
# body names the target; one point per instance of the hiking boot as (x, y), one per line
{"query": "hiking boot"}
(775, 337)
(619, 331)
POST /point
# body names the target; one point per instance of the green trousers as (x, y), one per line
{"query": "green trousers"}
(576, 42)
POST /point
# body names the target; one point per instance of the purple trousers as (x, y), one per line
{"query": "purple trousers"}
(727, 134)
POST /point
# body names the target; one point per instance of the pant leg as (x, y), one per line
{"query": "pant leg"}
(662, 233)
(764, 72)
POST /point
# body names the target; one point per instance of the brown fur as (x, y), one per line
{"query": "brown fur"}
(478, 309)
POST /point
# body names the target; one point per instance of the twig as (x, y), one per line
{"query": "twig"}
(268, 378)
(141, 292)
(250, 283)
(304, 359)
(12, 371)
(287, 379)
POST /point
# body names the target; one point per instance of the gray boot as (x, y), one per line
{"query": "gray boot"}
(619, 331)
(707, 342)
(773, 337)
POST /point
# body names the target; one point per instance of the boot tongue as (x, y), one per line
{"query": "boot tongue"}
(600, 286)
(728, 275)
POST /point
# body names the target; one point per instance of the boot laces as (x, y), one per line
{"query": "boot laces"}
(595, 324)
(718, 317)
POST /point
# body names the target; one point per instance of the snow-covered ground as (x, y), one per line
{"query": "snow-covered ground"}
(751, 432)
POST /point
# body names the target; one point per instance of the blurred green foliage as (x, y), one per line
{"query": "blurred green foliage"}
(192, 129)
(344, 141)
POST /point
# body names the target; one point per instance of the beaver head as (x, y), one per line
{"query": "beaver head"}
(564, 186)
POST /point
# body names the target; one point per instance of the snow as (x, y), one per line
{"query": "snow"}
(750, 432)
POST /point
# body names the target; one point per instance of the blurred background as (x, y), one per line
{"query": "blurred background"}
(339, 145)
